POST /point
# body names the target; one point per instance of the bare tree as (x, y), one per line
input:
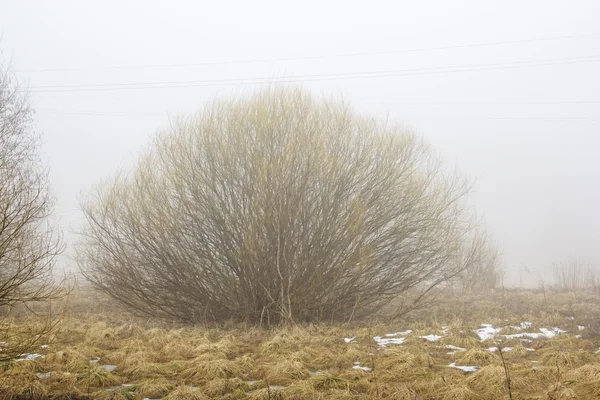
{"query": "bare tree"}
(577, 274)
(485, 270)
(28, 245)
(276, 207)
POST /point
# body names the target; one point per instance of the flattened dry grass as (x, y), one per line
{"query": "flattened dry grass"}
(314, 362)
(29, 390)
(564, 359)
(284, 372)
(478, 356)
(96, 376)
(220, 387)
(202, 370)
(155, 388)
(186, 393)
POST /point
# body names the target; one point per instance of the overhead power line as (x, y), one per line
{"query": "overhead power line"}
(416, 103)
(310, 57)
(313, 77)
(428, 117)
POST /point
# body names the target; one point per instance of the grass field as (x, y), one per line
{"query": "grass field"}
(550, 341)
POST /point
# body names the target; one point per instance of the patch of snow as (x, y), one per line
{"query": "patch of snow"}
(431, 338)
(30, 356)
(44, 375)
(350, 340)
(494, 349)
(44, 346)
(402, 333)
(314, 372)
(464, 368)
(580, 327)
(95, 360)
(108, 368)
(383, 342)
(456, 348)
(358, 367)
(487, 331)
(551, 333)
(530, 335)
(570, 318)
(544, 332)
(578, 336)
(526, 325)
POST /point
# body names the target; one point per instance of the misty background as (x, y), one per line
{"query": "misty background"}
(505, 91)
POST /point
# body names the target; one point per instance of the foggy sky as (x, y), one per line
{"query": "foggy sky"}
(528, 136)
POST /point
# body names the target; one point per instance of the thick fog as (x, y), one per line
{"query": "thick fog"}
(506, 91)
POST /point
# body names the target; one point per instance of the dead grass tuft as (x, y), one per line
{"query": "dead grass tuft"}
(479, 357)
(285, 372)
(32, 390)
(221, 387)
(186, 393)
(558, 391)
(96, 376)
(328, 381)
(202, 370)
(563, 359)
(490, 380)
(266, 394)
(155, 388)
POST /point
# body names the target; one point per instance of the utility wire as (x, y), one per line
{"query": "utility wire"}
(313, 57)
(416, 103)
(314, 77)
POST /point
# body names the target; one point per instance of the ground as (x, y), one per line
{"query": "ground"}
(550, 345)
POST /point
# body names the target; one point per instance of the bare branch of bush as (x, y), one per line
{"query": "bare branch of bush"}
(28, 245)
(576, 275)
(277, 207)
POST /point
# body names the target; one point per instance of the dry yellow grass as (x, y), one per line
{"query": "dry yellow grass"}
(314, 362)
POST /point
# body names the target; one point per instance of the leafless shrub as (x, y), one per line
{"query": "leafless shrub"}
(576, 275)
(28, 245)
(278, 207)
(484, 271)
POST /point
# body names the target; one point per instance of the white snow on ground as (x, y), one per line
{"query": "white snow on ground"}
(456, 348)
(570, 318)
(522, 325)
(551, 333)
(464, 368)
(487, 331)
(359, 368)
(493, 349)
(580, 327)
(108, 368)
(403, 333)
(390, 338)
(383, 342)
(95, 360)
(431, 338)
(350, 340)
(44, 346)
(30, 356)
(44, 375)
